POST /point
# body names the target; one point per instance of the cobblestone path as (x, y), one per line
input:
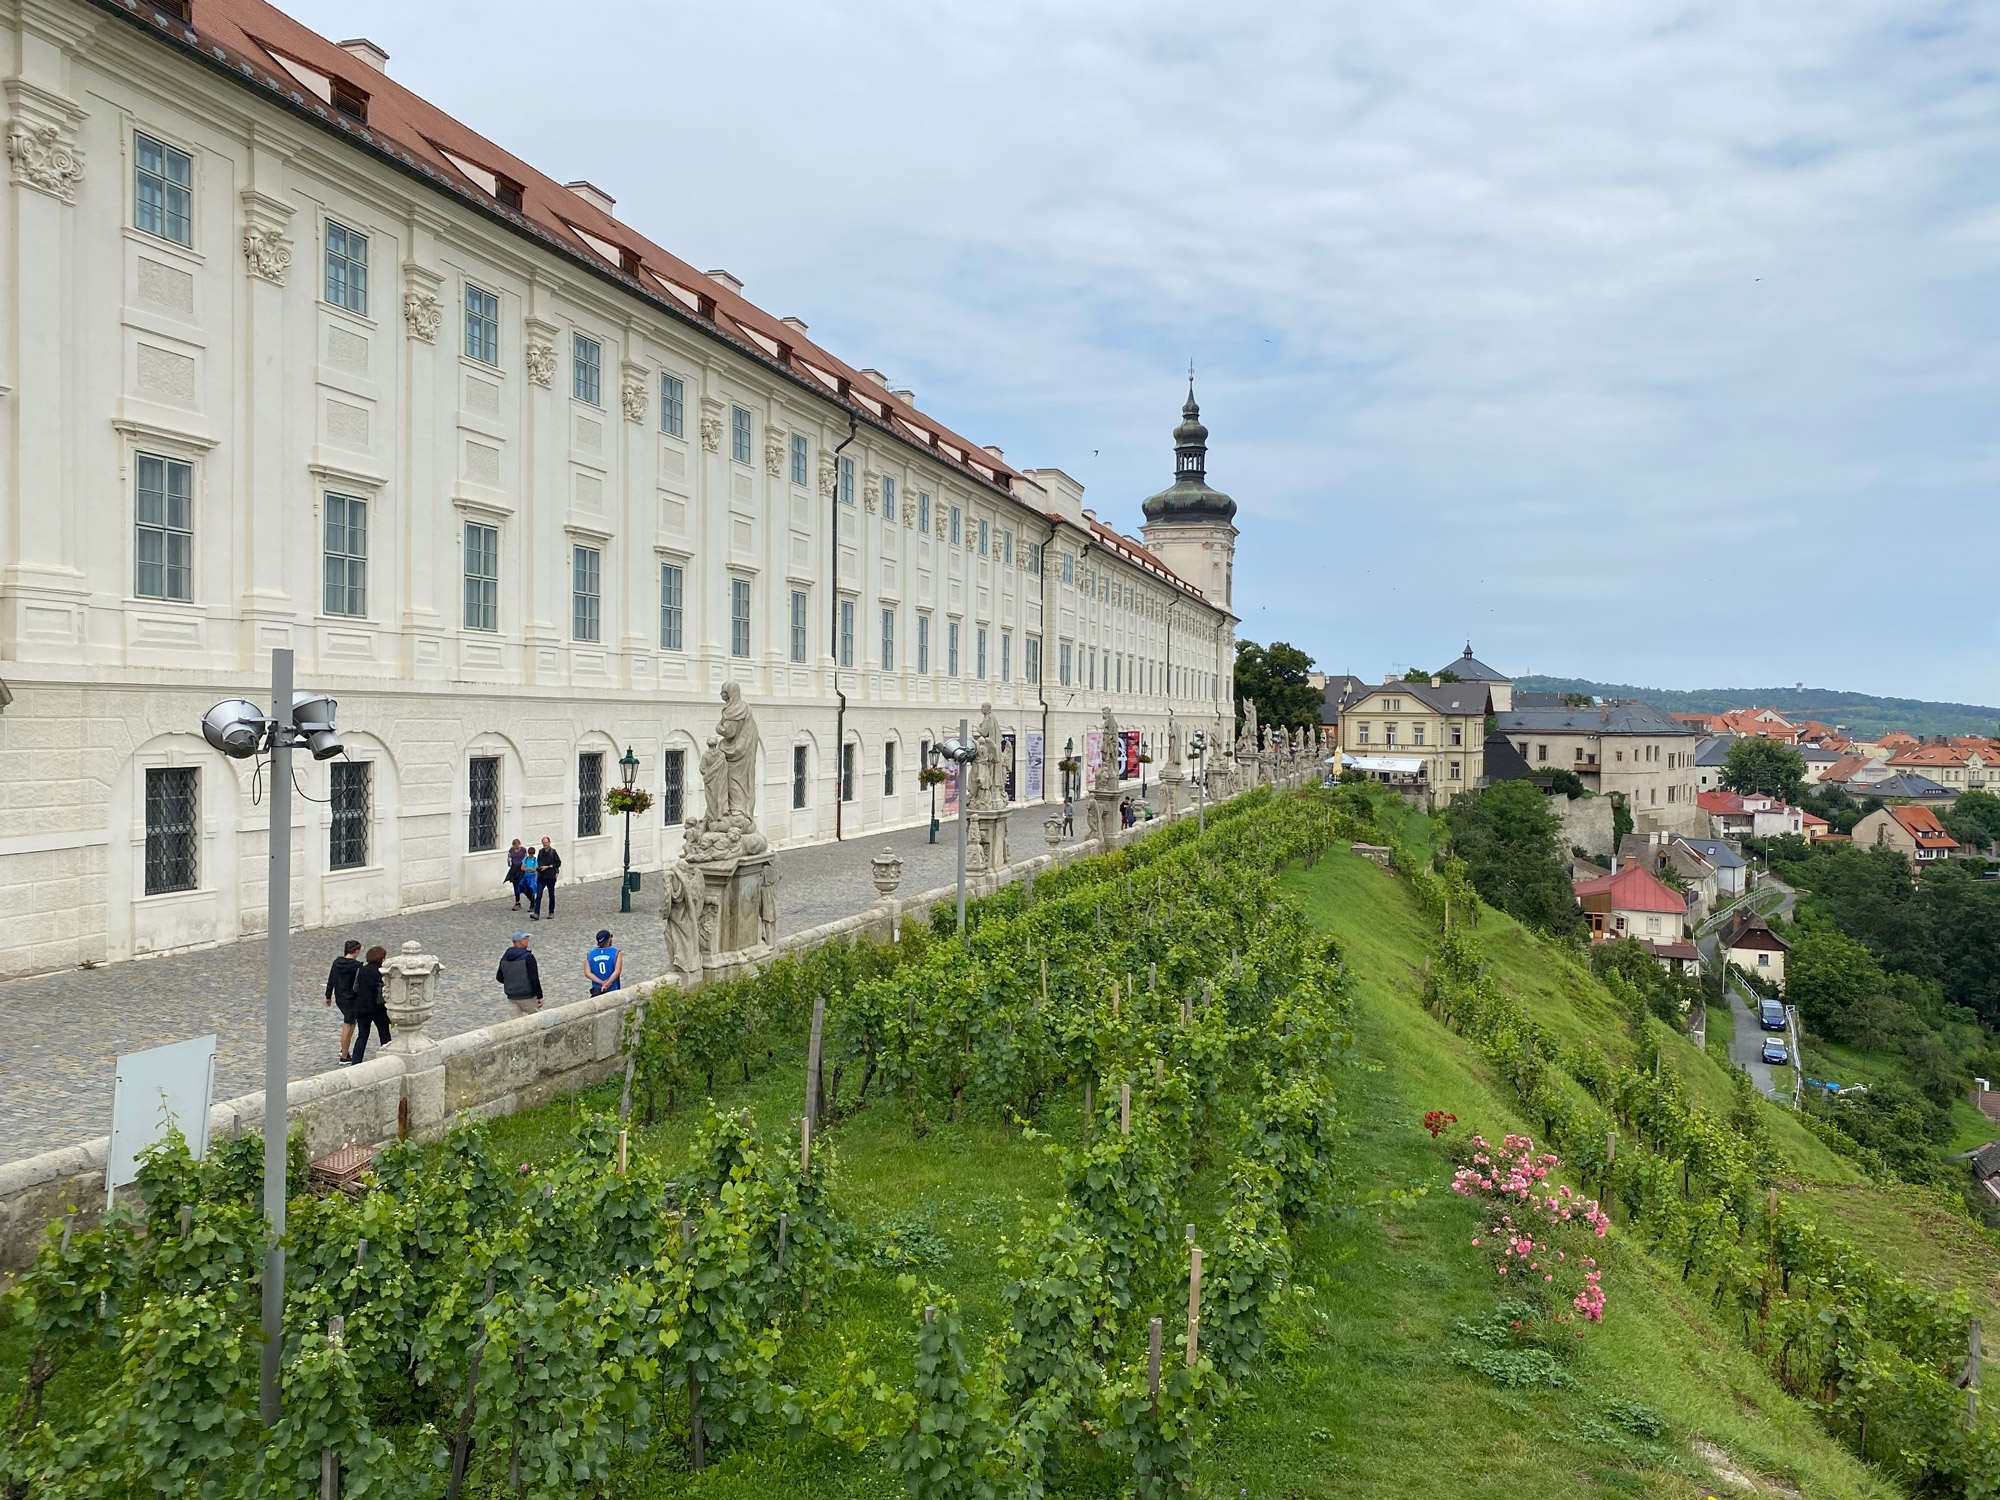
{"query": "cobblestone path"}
(55, 1080)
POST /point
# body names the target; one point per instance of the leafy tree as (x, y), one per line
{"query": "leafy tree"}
(1512, 846)
(1974, 820)
(1763, 766)
(1417, 675)
(1827, 975)
(1567, 782)
(1274, 678)
(1621, 821)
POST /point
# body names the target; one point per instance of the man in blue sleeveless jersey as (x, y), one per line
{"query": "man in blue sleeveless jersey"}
(605, 963)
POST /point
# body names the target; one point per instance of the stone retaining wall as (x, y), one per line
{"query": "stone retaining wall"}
(421, 1083)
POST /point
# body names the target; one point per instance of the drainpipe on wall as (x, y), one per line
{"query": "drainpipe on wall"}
(833, 588)
(1042, 678)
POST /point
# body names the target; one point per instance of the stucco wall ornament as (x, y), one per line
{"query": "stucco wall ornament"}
(267, 253)
(423, 314)
(711, 434)
(632, 396)
(774, 452)
(43, 159)
(541, 361)
(829, 475)
(871, 493)
(910, 515)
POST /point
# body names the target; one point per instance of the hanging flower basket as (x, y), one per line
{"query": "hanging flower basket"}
(933, 776)
(1069, 763)
(1145, 759)
(628, 800)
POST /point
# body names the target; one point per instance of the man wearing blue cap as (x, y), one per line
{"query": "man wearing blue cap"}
(605, 964)
(520, 976)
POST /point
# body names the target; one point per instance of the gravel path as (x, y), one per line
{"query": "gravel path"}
(55, 1088)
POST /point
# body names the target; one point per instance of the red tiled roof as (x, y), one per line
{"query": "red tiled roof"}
(1634, 888)
(1812, 822)
(1896, 737)
(257, 44)
(1922, 825)
(1938, 755)
(1844, 768)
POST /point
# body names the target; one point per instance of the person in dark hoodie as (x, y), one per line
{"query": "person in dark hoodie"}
(340, 991)
(548, 870)
(368, 1007)
(520, 976)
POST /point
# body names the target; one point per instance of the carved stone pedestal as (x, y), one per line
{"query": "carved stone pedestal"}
(735, 931)
(986, 842)
(1173, 786)
(1105, 825)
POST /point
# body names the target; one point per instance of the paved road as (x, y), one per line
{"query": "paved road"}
(66, 1030)
(1746, 1045)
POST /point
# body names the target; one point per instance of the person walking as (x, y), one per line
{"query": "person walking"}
(1069, 816)
(520, 976)
(368, 1007)
(605, 964)
(515, 855)
(340, 991)
(531, 884)
(548, 870)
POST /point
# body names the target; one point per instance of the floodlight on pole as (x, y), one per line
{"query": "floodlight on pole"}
(962, 750)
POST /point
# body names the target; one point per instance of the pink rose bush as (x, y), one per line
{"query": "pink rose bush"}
(1539, 1240)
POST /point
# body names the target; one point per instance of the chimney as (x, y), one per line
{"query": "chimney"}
(907, 396)
(595, 196)
(878, 377)
(360, 47)
(1436, 683)
(1614, 863)
(734, 283)
(1388, 677)
(798, 323)
(996, 452)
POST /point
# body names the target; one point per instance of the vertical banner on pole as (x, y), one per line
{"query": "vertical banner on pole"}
(1034, 766)
(949, 806)
(1093, 754)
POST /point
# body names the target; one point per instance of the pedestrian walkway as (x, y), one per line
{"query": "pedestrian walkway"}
(68, 1028)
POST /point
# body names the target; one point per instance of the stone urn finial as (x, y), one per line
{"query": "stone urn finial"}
(1052, 831)
(410, 993)
(888, 872)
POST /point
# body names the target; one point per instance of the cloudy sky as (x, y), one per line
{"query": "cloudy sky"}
(1652, 342)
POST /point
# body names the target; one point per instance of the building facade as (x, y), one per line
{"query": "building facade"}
(1427, 735)
(1631, 750)
(295, 360)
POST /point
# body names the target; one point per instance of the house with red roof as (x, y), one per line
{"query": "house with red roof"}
(1737, 815)
(1914, 830)
(1959, 767)
(1632, 902)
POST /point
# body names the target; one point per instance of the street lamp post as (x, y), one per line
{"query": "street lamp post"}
(935, 752)
(962, 752)
(1198, 742)
(629, 764)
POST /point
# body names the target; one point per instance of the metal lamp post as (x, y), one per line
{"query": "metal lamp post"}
(629, 764)
(1198, 742)
(937, 751)
(962, 753)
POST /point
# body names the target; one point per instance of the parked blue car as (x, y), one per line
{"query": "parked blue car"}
(1774, 1051)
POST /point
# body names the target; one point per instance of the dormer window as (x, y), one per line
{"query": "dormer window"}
(508, 192)
(348, 99)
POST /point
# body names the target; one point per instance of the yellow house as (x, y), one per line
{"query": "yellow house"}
(1426, 734)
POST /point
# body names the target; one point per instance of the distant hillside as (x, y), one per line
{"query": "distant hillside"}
(1864, 716)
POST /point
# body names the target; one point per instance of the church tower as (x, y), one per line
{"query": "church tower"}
(1189, 526)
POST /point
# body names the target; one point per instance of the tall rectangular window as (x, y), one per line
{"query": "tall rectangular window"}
(673, 788)
(924, 512)
(800, 455)
(951, 649)
(1035, 558)
(347, 835)
(739, 434)
(798, 625)
(482, 325)
(164, 541)
(1031, 659)
(739, 617)
(888, 768)
(888, 498)
(586, 369)
(346, 555)
(847, 771)
(673, 406)
(346, 268)
(586, 593)
(888, 640)
(590, 794)
(956, 521)
(924, 645)
(1069, 567)
(847, 632)
(982, 538)
(1007, 548)
(846, 473)
(482, 828)
(979, 657)
(798, 776)
(1006, 656)
(172, 827)
(482, 576)
(673, 585)
(1065, 663)
(163, 190)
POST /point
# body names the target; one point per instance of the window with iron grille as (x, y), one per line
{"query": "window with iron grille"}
(888, 768)
(482, 576)
(346, 268)
(482, 325)
(172, 824)
(483, 824)
(347, 839)
(673, 406)
(739, 617)
(798, 625)
(673, 788)
(672, 584)
(346, 555)
(586, 369)
(739, 434)
(847, 772)
(164, 540)
(163, 190)
(587, 596)
(590, 794)
(798, 776)
(800, 455)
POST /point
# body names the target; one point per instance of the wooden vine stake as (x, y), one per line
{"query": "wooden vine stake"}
(329, 1459)
(1153, 977)
(1194, 1303)
(1159, 1070)
(1970, 1378)
(622, 1134)
(1089, 1114)
(783, 1224)
(1045, 979)
(815, 1096)
(1125, 1109)
(806, 1144)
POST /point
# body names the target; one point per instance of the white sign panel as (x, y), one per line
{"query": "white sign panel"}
(162, 1086)
(1034, 758)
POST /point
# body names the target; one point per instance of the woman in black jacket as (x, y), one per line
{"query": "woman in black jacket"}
(368, 1007)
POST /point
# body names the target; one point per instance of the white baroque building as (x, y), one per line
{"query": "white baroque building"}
(293, 359)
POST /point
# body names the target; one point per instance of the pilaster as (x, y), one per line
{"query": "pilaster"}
(425, 524)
